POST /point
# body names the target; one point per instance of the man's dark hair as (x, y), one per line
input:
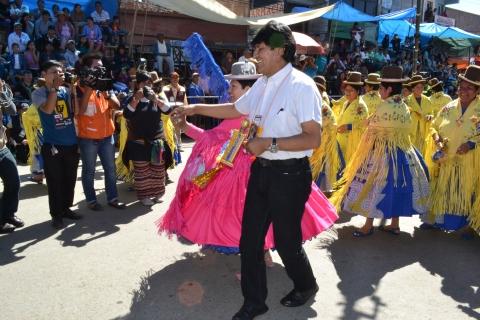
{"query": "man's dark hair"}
(45, 13)
(396, 87)
(98, 2)
(246, 83)
(375, 87)
(87, 60)
(51, 28)
(277, 35)
(50, 63)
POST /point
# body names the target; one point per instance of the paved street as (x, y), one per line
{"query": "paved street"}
(113, 265)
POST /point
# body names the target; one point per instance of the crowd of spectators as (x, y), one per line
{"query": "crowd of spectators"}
(358, 55)
(36, 35)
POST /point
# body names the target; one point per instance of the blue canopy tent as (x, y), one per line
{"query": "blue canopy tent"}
(427, 31)
(345, 13)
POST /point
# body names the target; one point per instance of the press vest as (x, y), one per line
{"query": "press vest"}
(96, 122)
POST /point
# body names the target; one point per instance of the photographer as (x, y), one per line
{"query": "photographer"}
(59, 149)
(146, 145)
(95, 132)
(8, 168)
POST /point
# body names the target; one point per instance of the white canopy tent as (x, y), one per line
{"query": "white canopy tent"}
(211, 10)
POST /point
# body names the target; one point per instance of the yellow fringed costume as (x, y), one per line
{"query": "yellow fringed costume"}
(438, 101)
(325, 99)
(353, 113)
(385, 177)
(33, 132)
(123, 173)
(372, 100)
(326, 158)
(455, 183)
(420, 126)
(337, 105)
(169, 134)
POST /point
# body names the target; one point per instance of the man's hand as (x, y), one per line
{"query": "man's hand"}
(184, 111)
(179, 122)
(257, 146)
(463, 149)
(136, 99)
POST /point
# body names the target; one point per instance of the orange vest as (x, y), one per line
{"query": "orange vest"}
(96, 122)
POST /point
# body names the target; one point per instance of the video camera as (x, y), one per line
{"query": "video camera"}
(149, 94)
(95, 78)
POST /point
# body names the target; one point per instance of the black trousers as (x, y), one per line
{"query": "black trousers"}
(60, 166)
(277, 193)
(11, 185)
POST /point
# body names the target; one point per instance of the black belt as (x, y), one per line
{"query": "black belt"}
(281, 163)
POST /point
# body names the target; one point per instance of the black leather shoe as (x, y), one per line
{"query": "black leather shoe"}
(17, 222)
(69, 214)
(248, 312)
(6, 228)
(95, 206)
(117, 204)
(298, 298)
(57, 223)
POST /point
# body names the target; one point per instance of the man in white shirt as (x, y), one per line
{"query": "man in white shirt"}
(17, 36)
(17, 9)
(99, 15)
(286, 107)
(163, 52)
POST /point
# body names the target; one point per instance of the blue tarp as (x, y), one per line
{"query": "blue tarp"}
(87, 5)
(427, 31)
(346, 13)
(406, 14)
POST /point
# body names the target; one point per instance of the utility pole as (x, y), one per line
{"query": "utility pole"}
(417, 36)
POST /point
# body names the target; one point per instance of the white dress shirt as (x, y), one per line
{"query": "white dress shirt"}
(280, 104)
(21, 39)
(103, 16)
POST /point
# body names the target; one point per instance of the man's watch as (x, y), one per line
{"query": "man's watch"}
(273, 148)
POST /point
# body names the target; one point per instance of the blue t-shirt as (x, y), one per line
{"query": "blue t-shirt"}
(58, 127)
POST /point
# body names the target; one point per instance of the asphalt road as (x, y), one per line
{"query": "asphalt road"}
(113, 265)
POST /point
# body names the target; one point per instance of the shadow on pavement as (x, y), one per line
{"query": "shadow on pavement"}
(450, 257)
(99, 224)
(204, 287)
(25, 237)
(362, 262)
(32, 190)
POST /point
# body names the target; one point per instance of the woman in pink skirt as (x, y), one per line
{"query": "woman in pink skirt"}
(212, 216)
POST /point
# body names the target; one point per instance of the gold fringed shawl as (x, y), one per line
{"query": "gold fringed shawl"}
(337, 105)
(169, 134)
(33, 129)
(420, 126)
(355, 114)
(456, 182)
(372, 100)
(123, 173)
(326, 158)
(438, 101)
(388, 130)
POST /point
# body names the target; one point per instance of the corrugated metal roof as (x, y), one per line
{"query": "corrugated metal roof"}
(469, 6)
